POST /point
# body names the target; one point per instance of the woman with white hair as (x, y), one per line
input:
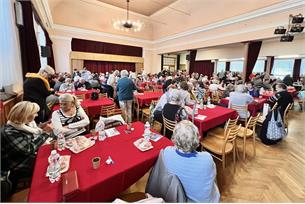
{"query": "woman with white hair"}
(67, 86)
(195, 170)
(20, 140)
(125, 88)
(70, 116)
(173, 110)
(240, 98)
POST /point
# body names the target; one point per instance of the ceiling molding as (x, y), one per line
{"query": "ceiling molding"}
(97, 33)
(228, 34)
(277, 8)
(47, 12)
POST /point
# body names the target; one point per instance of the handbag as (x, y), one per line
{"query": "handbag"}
(276, 127)
(94, 96)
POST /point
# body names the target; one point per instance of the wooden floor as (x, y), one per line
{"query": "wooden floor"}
(276, 174)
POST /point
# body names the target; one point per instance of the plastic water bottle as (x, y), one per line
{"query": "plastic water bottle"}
(61, 142)
(101, 135)
(147, 131)
(209, 101)
(54, 166)
(201, 104)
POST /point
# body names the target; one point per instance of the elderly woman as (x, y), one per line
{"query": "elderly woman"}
(185, 94)
(125, 88)
(195, 170)
(67, 86)
(240, 98)
(71, 116)
(20, 139)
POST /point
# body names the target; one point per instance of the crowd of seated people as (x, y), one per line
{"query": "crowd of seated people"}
(21, 137)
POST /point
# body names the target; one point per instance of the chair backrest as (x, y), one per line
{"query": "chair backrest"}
(274, 106)
(168, 124)
(102, 95)
(215, 96)
(80, 97)
(231, 135)
(240, 109)
(106, 108)
(285, 118)
(230, 124)
(114, 111)
(252, 122)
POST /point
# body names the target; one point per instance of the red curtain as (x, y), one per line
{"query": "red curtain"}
(192, 60)
(227, 66)
(253, 51)
(205, 67)
(28, 43)
(296, 69)
(100, 66)
(81, 45)
(271, 63)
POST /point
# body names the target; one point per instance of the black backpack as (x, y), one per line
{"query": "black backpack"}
(94, 96)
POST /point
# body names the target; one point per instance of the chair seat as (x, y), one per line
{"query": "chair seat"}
(216, 131)
(242, 132)
(146, 111)
(215, 145)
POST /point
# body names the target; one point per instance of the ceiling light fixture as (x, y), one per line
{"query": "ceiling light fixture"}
(126, 25)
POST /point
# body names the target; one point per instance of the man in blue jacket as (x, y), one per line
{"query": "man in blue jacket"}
(125, 88)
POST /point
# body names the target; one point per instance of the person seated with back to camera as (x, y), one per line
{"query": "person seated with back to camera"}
(240, 98)
(20, 140)
(195, 170)
(70, 116)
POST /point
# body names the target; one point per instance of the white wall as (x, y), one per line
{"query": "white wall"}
(61, 51)
(221, 52)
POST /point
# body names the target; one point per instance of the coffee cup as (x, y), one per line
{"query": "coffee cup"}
(96, 162)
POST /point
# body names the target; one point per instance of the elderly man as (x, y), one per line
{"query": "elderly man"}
(111, 83)
(67, 86)
(36, 88)
(125, 88)
(195, 170)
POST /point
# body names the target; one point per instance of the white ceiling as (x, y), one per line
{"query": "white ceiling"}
(144, 7)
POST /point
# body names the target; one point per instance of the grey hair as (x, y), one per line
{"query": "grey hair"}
(70, 98)
(240, 88)
(174, 95)
(186, 136)
(124, 73)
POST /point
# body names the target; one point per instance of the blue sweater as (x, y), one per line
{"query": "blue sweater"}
(125, 88)
(197, 173)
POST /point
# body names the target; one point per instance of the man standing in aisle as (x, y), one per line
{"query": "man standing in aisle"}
(111, 83)
(125, 88)
(36, 88)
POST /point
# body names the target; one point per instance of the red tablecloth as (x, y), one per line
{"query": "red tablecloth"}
(147, 97)
(87, 93)
(149, 83)
(105, 183)
(252, 107)
(93, 106)
(215, 116)
(268, 94)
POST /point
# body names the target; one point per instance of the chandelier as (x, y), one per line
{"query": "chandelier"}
(126, 25)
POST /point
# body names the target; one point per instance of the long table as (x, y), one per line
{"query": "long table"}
(93, 106)
(87, 93)
(146, 97)
(214, 117)
(253, 107)
(108, 181)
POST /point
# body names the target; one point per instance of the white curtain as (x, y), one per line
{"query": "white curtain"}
(10, 57)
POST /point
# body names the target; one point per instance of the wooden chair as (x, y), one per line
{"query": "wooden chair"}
(102, 95)
(285, 117)
(215, 97)
(222, 132)
(80, 97)
(136, 107)
(106, 108)
(248, 131)
(168, 125)
(241, 109)
(115, 111)
(220, 147)
(146, 111)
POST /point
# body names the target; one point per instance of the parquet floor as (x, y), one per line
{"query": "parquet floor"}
(276, 174)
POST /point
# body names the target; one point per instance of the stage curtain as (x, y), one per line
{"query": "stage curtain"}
(296, 69)
(103, 67)
(192, 61)
(253, 51)
(205, 67)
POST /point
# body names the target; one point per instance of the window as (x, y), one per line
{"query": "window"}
(302, 69)
(282, 67)
(221, 66)
(259, 66)
(236, 66)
